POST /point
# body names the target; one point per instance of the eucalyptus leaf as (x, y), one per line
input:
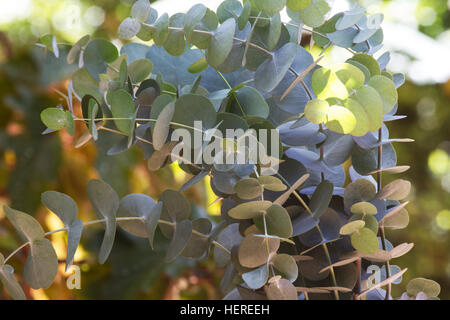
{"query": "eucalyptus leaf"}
(28, 227)
(67, 210)
(253, 250)
(282, 290)
(270, 73)
(286, 266)
(248, 189)
(257, 278)
(396, 190)
(162, 126)
(105, 203)
(429, 287)
(97, 55)
(41, 266)
(314, 14)
(54, 118)
(221, 43)
(129, 28)
(277, 222)
(10, 283)
(181, 234)
(272, 183)
(365, 241)
(141, 10)
(321, 198)
(139, 70)
(249, 210)
(122, 108)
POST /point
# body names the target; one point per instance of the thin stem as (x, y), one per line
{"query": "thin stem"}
(249, 40)
(143, 120)
(88, 223)
(381, 228)
(233, 94)
(150, 143)
(324, 245)
(357, 289)
(209, 33)
(15, 251)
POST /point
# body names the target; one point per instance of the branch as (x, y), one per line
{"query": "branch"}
(215, 243)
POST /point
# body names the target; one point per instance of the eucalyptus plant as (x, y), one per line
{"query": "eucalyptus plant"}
(311, 229)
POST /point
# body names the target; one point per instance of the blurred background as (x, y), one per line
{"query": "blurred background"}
(417, 32)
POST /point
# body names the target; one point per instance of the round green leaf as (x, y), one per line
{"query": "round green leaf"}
(249, 210)
(135, 205)
(285, 266)
(197, 245)
(182, 233)
(84, 84)
(161, 30)
(162, 126)
(316, 111)
(351, 227)
(253, 250)
(270, 73)
(54, 118)
(129, 28)
(251, 102)
(326, 84)
(397, 221)
(349, 75)
(278, 222)
(75, 51)
(70, 122)
(209, 23)
(270, 7)
(321, 198)
(198, 66)
(371, 221)
(272, 183)
(362, 119)
(364, 208)
(297, 5)
(282, 290)
(192, 107)
(152, 220)
(97, 55)
(357, 191)
(248, 189)
(387, 90)
(192, 18)
(28, 227)
(314, 14)
(105, 202)
(122, 107)
(141, 10)
(340, 120)
(62, 205)
(41, 266)
(221, 43)
(365, 241)
(371, 101)
(176, 43)
(10, 283)
(369, 62)
(139, 70)
(429, 287)
(228, 238)
(257, 278)
(67, 210)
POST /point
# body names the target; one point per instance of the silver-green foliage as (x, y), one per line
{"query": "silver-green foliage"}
(296, 234)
